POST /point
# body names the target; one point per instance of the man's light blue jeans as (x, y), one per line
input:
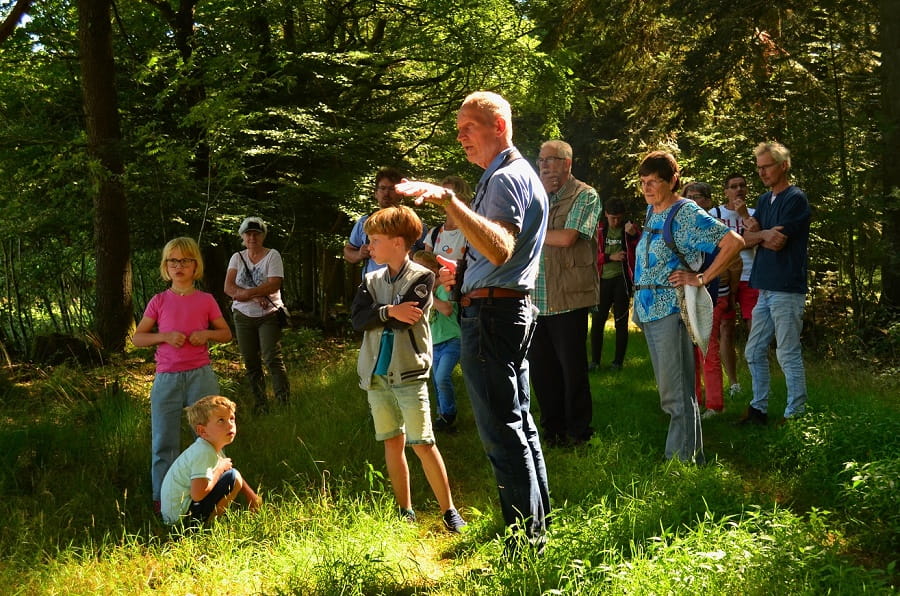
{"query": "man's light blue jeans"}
(777, 315)
(496, 333)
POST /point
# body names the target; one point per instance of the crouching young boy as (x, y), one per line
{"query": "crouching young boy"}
(202, 483)
(391, 306)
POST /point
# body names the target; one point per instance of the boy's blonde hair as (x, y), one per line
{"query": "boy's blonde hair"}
(427, 259)
(395, 221)
(189, 250)
(200, 412)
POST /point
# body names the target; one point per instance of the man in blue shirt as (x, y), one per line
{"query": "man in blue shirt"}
(356, 250)
(504, 228)
(781, 225)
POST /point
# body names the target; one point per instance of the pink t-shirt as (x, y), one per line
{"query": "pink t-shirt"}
(186, 314)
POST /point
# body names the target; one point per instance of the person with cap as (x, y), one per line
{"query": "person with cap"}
(254, 282)
(659, 278)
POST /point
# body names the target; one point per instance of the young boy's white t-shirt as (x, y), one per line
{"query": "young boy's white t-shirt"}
(197, 461)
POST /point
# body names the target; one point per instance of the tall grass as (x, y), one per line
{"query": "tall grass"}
(809, 508)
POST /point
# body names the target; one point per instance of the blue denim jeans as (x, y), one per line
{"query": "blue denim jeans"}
(200, 511)
(170, 394)
(444, 360)
(496, 334)
(259, 339)
(777, 315)
(672, 356)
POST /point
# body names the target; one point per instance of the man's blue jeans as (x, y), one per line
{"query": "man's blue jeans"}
(443, 361)
(778, 315)
(496, 333)
(672, 356)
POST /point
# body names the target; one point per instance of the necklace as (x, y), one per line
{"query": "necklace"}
(182, 292)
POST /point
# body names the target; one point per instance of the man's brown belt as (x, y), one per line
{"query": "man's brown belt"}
(481, 293)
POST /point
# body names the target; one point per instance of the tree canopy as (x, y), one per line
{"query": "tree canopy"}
(286, 109)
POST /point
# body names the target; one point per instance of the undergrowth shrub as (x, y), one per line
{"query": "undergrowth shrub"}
(814, 448)
(869, 495)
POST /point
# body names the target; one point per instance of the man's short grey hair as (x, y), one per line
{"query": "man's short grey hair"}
(491, 104)
(779, 152)
(562, 148)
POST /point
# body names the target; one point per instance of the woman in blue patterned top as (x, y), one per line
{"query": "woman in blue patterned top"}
(658, 272)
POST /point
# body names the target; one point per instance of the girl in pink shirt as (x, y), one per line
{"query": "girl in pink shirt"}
(181, 321)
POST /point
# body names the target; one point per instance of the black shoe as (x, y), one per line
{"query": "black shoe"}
(593, 366)
(407, 515)
(583, 437)
(555, 441)
(616, 366)
(453, 521)
(445, 422)
(753, 416)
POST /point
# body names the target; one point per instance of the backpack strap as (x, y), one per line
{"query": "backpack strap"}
(434, 234)
(666, 230)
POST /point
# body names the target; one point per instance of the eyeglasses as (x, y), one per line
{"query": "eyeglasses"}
(696, 196)
(737, 185)
(548, 160)
(180, 262)
(765, 166)
(385, 188)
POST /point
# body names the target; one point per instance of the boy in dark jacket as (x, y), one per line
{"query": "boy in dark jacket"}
(391, 306)
(616, 241)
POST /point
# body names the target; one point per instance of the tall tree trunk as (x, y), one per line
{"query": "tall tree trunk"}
(113, 315)
(890, 68)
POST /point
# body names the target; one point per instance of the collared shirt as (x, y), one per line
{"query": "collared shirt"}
(583, 217)
(512, 194)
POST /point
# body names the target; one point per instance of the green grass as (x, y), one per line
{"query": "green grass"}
(807, 509)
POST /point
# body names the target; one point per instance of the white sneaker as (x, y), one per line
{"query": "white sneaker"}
(710, 414)
(734, 390)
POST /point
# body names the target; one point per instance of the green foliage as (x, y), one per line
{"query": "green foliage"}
(285, 110)
(807, 508)
(869, 496)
